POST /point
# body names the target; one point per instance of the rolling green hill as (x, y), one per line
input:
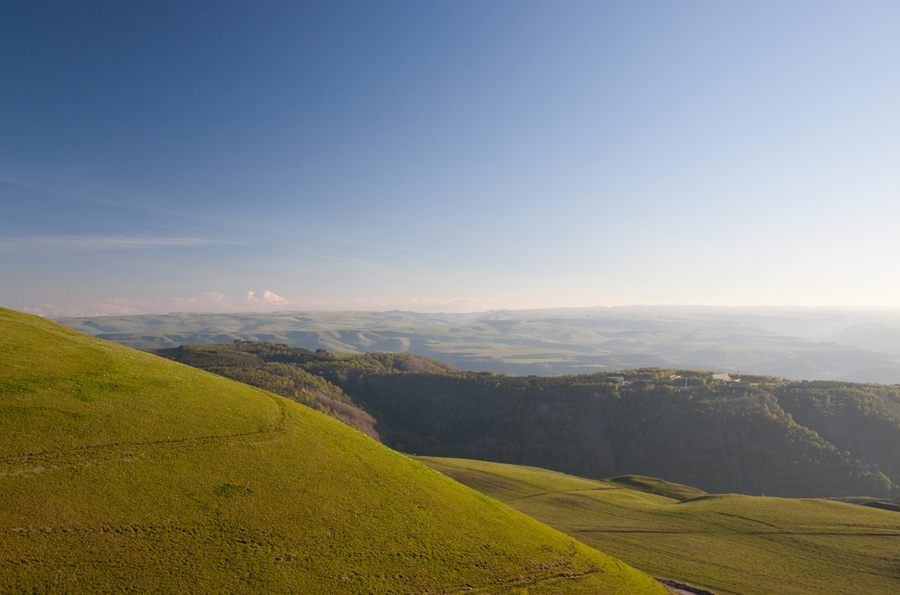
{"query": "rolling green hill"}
(734, 545)
(124, 472)
(719, 436)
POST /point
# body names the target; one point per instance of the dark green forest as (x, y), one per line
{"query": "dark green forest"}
(761, 435)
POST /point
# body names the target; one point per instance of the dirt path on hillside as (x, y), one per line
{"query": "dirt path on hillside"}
(683, 589)
(49, 453)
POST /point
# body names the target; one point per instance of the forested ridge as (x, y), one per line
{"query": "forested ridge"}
(761, 435)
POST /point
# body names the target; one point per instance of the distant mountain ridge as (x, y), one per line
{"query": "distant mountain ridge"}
(795, 343)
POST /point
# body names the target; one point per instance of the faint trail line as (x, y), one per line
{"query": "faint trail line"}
(799, 533)
(748, 519)
(656, 531)
(684, 588)
(559, 492)
(524, 581)
(43, 453)
(277, 426)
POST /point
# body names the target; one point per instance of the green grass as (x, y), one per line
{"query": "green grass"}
(731, 544)
(651, 485)
(61, 390)
(122, 472)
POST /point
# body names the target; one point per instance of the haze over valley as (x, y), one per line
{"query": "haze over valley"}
(853, 344)
(450, 297)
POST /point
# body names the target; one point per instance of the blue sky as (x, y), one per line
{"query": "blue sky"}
(447, 156)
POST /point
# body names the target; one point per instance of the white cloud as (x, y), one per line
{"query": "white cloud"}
(265, 302)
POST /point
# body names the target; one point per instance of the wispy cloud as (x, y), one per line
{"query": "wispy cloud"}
(110, 307)
(207, 301)
(39, 244)
(70, 180)
(412, 304)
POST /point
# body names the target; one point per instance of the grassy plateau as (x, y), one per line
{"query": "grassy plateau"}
(731, 544)
(124, 472)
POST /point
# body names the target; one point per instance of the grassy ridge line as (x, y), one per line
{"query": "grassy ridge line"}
(61, 389)
(27, 455)
(307, 506)
(288, 372)
(731, 544)
(652, 485)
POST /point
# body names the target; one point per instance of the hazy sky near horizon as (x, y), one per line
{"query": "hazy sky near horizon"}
(447, 156)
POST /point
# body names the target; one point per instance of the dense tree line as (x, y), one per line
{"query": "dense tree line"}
(758, 436)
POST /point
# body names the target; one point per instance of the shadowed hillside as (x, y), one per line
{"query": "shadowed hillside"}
(121, 471)
(680, 425)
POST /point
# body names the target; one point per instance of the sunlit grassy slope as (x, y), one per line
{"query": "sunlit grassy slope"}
(123, 472)
(731, 544)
